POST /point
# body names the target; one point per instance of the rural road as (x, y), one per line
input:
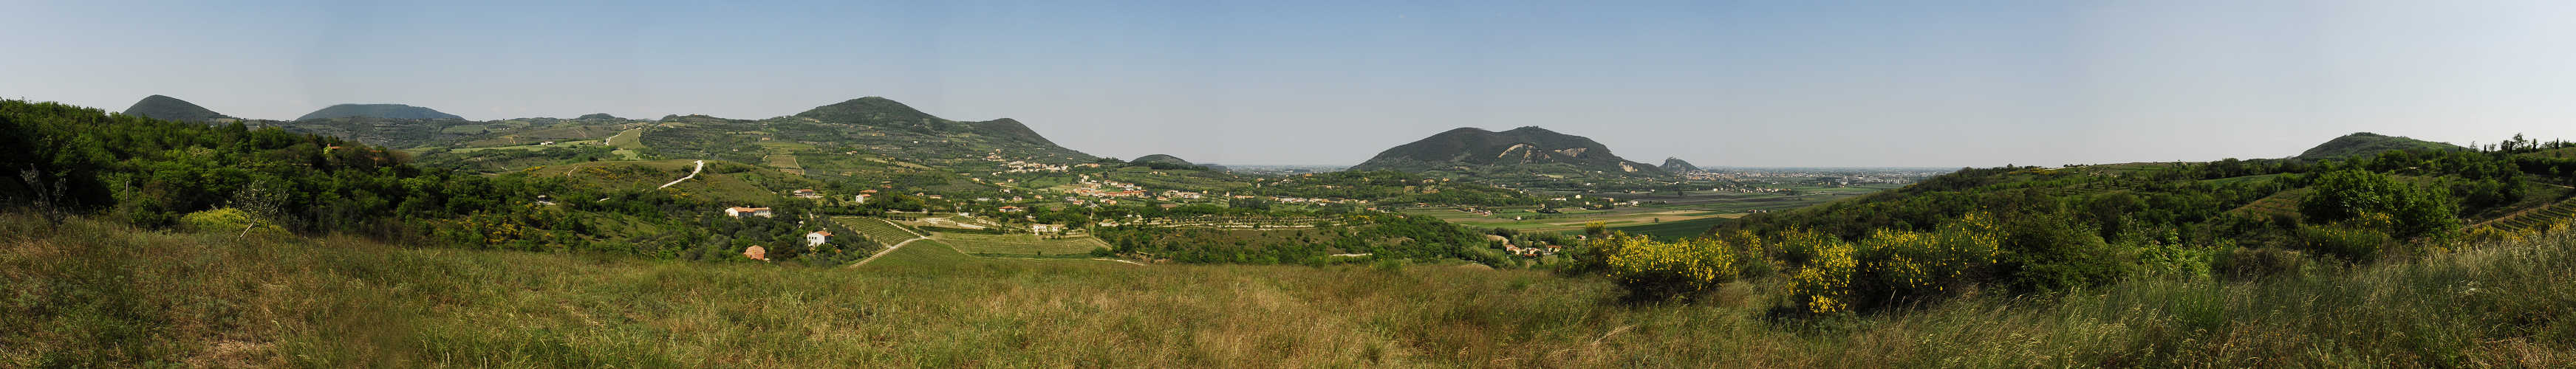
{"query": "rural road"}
(693, 173)
(888, 250)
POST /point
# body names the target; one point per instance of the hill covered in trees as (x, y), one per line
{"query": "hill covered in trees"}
(2366, 143)
(1521, 151)
(1161, 159)
(387, 111)
(172, 109)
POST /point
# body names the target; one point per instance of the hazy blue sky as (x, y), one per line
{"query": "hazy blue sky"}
(1903, 83)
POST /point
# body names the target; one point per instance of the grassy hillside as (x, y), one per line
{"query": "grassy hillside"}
(95, 293)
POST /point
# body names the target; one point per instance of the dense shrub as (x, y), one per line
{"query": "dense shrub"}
(2349, 243)
(1655, 270)
(1824, 284)
(2411, 211)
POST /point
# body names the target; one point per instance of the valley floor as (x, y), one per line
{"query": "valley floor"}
(100, 294)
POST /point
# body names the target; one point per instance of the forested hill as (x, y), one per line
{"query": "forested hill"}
(172, 109)
(388, 111)
(1161, 160)
(891, 129)
(1520, 151)
(2366, 143)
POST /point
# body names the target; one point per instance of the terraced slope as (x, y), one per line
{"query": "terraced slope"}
(2535, 219)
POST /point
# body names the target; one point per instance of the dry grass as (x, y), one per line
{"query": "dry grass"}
(95, 294)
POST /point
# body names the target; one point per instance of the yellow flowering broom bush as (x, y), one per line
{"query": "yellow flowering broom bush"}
(1654, 270)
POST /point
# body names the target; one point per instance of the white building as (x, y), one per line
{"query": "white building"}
(817, 238)
(738, 212)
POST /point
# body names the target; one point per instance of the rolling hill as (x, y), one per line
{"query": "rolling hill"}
(2366, 143)
(1525, 150)
(1162, 159)
(872, 125)
(388, 111)
(172, 109)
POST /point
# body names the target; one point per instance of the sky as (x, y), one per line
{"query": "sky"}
(1718, 83)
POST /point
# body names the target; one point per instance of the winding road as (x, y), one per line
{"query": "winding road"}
(693, 173)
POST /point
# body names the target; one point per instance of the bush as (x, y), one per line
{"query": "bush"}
(1824, 284)
(1906, 265)
(2353, 194)
(2348, 243)
(1660, 270)
(2052, 252)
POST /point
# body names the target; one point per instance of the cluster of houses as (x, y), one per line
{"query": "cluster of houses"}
(1534, 251)
(1016, 166)
(1104, 188)
(1529, 252)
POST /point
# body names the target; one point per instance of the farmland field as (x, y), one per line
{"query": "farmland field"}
(1018, 244)
(627, 142)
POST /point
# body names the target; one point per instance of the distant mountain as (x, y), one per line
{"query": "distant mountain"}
(598, 116)
(1525, 150)
(1676, 165)
(172, 109)
(1161, 158)
(387, 111)
(2366, 144)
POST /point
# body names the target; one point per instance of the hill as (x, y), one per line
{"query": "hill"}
(2366, 143)
(1676, 165)
(878, 127)
(1161, 159)
(1520, 151)
(172, 109)
(388, 111)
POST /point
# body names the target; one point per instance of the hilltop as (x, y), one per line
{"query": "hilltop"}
(1160, 159)
(1677, 165)
(172, 109)
(885, 113)
(2366, 143)
(388, 111)
(1520, 151)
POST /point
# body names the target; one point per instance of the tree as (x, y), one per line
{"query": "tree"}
(48, 197)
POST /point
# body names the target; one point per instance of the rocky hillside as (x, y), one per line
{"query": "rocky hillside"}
(1676, 165)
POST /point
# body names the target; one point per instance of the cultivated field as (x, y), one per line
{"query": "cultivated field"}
(1019, 244)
